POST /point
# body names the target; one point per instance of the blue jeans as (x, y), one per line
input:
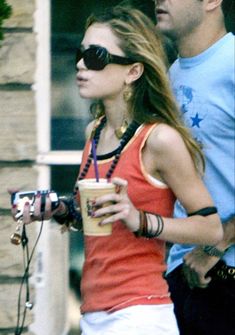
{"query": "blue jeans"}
(208, 311)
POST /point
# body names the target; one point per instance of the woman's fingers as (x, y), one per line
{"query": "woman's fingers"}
(26, 213)
(112, 197)
(35, 209)
(112, 209)
(117, 206)
(119, 196)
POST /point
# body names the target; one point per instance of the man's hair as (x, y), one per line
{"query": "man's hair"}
(227, 6)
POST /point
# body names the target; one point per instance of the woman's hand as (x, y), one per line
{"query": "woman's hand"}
(41, 209)
(121, 208)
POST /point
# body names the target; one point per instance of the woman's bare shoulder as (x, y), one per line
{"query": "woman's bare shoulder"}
(165, 138)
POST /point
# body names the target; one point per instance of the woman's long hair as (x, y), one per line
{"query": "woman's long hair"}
(152, 100)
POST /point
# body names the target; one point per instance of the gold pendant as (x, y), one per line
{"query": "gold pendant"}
(121, 130)
(16, 238)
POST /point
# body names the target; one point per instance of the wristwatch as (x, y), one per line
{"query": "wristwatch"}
(213, 251)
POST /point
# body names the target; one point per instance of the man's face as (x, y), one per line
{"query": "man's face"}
(177, 18)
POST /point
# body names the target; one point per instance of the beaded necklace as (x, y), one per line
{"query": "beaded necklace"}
(124, 140)
(72, 219)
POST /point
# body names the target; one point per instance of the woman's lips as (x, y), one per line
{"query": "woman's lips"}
(81, 80)
(161, 11)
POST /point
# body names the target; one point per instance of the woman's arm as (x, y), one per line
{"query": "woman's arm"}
(173, 163)
(166, 157)
(64, 214)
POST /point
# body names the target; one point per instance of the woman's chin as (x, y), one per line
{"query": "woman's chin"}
(86, 95)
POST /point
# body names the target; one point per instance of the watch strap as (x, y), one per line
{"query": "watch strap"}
(213, 251)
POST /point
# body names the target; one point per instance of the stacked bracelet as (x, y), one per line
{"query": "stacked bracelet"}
(143, 229)
(72, 218)
(154, 231)
(147, 228)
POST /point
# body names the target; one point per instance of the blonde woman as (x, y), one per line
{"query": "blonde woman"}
(145, 150)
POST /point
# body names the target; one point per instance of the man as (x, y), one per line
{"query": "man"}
(202, 279)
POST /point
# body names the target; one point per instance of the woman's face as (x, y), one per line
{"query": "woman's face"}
(107, 83)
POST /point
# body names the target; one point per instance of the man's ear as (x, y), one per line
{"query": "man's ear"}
(135, 71)
(213, 4)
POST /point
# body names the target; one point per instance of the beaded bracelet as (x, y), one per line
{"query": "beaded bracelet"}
(72, 218)
(147, 229)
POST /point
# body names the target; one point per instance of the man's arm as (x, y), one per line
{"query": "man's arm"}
(197, 263)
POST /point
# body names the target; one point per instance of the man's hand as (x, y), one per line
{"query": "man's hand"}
(197, 263)
(196, 266)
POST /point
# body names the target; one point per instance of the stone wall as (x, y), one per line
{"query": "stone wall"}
(17, 148)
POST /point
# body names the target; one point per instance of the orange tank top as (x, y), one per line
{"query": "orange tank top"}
(123, 270)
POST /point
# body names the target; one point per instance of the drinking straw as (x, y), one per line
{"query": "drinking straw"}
(93, 147)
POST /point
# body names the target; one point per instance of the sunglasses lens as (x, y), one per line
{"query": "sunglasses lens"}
(95, 58)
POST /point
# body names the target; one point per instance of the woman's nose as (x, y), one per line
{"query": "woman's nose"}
(80, 64)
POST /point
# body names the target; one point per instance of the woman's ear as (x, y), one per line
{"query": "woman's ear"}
(135, 71)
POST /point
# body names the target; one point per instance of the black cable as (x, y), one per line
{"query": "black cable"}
(18, 327)
(27, 260)
(24, 244)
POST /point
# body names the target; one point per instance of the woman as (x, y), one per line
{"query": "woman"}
(145, 150)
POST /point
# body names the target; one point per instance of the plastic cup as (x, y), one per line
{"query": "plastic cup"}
(89, 190)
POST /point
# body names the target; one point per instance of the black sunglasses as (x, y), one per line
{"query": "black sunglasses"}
(97, 57)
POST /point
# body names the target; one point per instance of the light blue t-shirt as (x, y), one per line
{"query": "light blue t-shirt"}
(204, 88)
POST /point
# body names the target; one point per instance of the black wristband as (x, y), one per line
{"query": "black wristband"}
(204, 211)
(72, 217)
